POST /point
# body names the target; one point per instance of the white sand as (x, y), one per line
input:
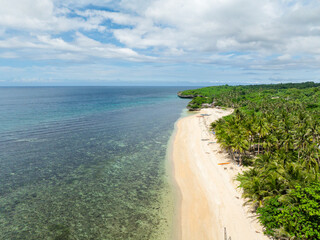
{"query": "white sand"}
(210, 201)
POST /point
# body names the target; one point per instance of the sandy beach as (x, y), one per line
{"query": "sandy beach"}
(210, 201)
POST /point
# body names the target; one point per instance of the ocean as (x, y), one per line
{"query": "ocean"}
(86, 162)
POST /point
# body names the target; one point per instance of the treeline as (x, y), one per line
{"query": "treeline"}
(239, 96)
(275, 132)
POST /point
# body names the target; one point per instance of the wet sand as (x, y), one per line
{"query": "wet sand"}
(209, 199)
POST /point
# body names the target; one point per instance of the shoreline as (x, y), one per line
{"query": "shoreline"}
(209, 200)
(170, 169)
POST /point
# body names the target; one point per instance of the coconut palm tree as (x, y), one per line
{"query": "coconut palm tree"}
(262, 130)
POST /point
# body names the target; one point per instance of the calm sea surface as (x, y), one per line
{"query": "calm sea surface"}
(86, 162)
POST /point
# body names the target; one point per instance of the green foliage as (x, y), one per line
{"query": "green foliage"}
(298, 218)
(275, 129)
(197, 102)
(269, 215)
(242, 96)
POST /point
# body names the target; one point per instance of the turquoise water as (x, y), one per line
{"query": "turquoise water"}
(86, 162)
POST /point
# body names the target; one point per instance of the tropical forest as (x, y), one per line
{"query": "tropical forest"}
(274, 133)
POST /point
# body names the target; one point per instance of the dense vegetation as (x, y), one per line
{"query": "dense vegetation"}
(275, 132)
(239, 96)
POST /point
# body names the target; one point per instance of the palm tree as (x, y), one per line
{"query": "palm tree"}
(262, 130)
(241, 143)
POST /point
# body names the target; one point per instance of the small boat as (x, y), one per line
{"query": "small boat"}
(224, 163)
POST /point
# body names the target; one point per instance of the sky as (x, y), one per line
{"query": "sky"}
(158, 42)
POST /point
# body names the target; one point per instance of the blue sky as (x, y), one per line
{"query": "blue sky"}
(158, 42)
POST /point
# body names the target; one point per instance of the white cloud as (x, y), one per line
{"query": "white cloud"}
(40, 15)
(82, 48)
(222, 26)
(247, 34)
(8, 55)
(284, 57)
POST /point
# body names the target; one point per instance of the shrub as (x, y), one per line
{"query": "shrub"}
(298, 217)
